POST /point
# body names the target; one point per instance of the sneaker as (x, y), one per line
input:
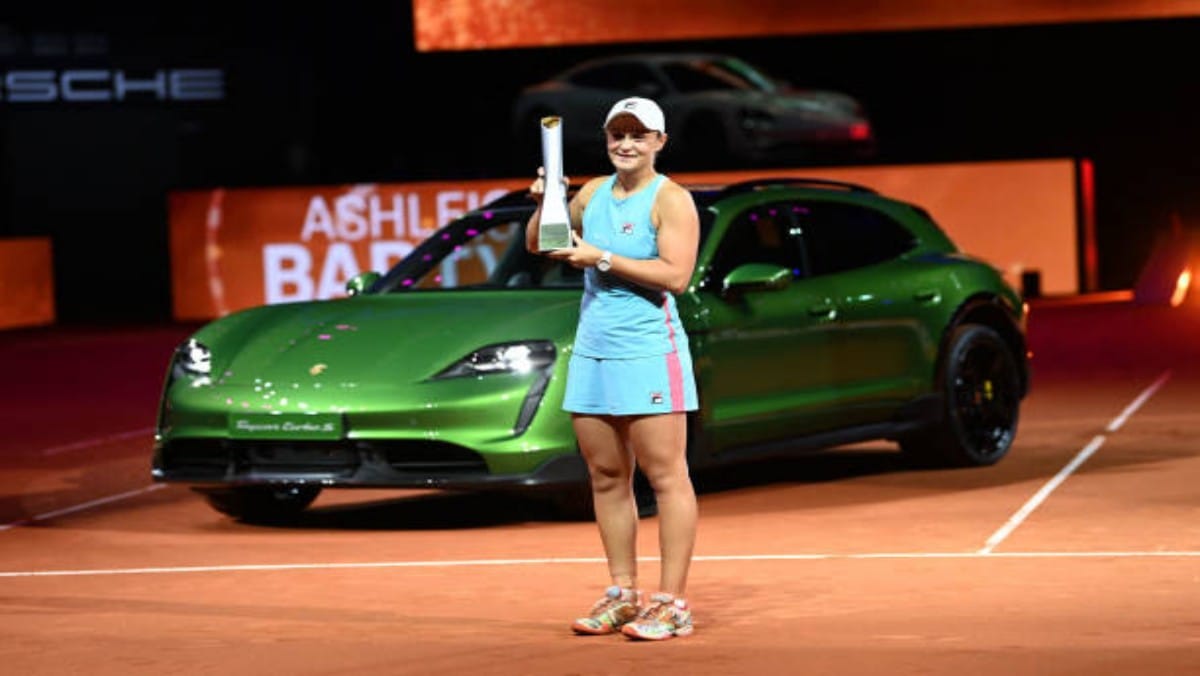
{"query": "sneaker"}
(666, 616)
(610, 613)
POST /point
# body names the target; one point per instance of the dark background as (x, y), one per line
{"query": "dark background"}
(336, 93)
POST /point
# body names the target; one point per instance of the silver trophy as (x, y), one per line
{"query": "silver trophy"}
(554, 226)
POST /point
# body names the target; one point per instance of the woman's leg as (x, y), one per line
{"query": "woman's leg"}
(660, 445)
(610, 465)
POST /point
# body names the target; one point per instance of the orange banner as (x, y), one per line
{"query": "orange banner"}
(26, 282)
(503, 24)
(237, 248)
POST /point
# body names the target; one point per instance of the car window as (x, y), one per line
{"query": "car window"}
(762, 234)
(616, 76)
(700, 76)
(754, 76)
(485, 251)
(840, 236)
(471, 261)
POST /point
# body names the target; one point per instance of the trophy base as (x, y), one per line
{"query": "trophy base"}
(553, 236)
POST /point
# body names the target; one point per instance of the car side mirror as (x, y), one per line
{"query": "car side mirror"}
(756, 277)
(361, 282)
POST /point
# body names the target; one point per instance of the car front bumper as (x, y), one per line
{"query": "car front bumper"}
(354, 463)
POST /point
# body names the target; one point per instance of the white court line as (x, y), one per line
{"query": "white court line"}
(1137, 403)
(587, 560)
(1097, 441)
(88, 443)
(1037, 499)
(82, 506)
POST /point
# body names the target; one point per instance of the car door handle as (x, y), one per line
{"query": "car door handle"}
(928, 296)
(826, 310)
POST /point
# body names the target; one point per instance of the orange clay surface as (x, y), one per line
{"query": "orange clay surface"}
(838, 563)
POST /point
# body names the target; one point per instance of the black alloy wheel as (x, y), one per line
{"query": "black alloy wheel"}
(981, 388)
(984, 396)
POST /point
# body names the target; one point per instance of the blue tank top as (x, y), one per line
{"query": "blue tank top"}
(619, 319)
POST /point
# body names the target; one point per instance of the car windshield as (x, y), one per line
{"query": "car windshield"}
(701, 74)
(486, 250)
(483, 250)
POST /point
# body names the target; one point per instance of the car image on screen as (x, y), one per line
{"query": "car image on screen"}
(721, 109)
(819, 314)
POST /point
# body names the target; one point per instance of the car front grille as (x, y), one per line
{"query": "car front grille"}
(221, 458)
(433, 457)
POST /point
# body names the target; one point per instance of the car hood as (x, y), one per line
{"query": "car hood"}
(395, 337)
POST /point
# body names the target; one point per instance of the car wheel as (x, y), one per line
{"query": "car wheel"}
(981, 390)
(261, 504)
(575, 503)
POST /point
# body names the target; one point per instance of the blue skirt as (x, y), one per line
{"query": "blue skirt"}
(638, 386)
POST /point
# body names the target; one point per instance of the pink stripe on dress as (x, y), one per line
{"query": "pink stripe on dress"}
(674, 368)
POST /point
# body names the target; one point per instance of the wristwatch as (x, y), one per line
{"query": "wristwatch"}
(605, 262)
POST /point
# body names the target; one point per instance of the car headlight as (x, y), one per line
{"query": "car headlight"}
(193, 358)
(516, 358)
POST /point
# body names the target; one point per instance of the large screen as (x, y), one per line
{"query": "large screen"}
(441, 25)
(241, 247)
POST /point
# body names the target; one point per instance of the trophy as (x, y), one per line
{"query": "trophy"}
(554, 226)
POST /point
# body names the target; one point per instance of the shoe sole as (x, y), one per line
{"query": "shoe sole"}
(679, 632)
(585, 630)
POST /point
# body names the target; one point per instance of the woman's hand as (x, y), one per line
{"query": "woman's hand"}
(579, 255)
(537, 189)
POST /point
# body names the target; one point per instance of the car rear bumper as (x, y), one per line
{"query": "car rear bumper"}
(813, 136)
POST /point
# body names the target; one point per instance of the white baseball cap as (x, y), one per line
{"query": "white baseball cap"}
(646, 111)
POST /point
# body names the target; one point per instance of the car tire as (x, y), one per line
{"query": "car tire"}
(980, 385)
(575, 503)
(261, 504)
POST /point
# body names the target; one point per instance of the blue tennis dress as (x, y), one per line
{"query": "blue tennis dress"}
(631, 353)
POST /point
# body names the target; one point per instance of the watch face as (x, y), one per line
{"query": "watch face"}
(605, 262)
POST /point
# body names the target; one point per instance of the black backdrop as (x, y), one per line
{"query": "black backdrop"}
(335, 93)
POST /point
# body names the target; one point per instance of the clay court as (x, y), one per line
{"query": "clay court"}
(1077, 554)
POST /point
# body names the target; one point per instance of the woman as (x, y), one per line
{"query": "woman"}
(630, 380)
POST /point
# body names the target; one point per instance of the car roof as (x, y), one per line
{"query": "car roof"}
(653, 58)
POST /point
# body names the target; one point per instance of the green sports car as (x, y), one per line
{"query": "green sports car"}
(820, 313)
